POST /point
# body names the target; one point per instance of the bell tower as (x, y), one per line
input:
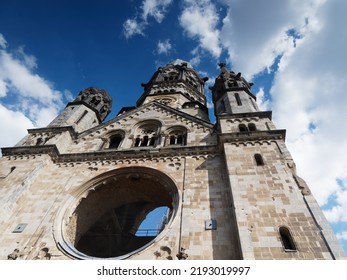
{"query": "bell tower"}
(179, 86)
(232, 93)
(266, 191)
(88, 110)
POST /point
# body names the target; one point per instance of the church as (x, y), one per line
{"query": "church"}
(80, 188)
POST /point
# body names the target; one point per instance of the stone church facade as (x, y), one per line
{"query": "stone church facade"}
(80, 187)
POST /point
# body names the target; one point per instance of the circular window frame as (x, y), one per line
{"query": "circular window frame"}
(62, 219)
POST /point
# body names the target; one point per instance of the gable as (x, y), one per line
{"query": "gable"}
(151, 117)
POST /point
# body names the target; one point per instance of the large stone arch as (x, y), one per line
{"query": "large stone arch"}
(101, 218)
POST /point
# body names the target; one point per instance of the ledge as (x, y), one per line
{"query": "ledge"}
(110, 154)
(261, 114)
(55, 129)
(278, 134)
(51, 150)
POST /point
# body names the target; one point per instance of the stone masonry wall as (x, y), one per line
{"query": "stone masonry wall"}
(203, 190)
(267, 197)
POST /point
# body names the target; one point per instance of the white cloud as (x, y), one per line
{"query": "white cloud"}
(149, 9)
(18, 75)
(195, 61)
(309, 92)
(28, 60)
(131, 28)
(13, 126)
(263, 103)
(155, 9)
(164, 47)
(338, 212)
(342, 235)
(3, 42)
(68, 95)
(3, 88)
(199, 19)
(31, 100)
(255, 32)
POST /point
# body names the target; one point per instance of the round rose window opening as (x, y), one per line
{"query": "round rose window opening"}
(105, 222)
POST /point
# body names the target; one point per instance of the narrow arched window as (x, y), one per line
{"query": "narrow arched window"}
(152, 141)
(96, 100)
(243, 127)
(147, 135)
(238, 99)
(145, 141)
(177, 136)
(287, 239)
(172, 140)
(252, 127)
(40, 141)
(115, 141)
(259, 159)
(137, 142)
(181, 139)
(81, 117)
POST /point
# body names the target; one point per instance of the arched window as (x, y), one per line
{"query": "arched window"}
(243, 127)
(252, 127)
(259, 159)
(287, 239)
(81, 117)
(177, 136)
(95, 100)
(39, 141)
(238, 99)
(147, 134)
(115, 141)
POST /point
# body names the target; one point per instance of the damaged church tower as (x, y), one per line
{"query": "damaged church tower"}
(81, 188)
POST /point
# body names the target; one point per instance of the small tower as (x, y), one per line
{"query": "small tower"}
(179, 86)
(268, 196)
(232, 94)
(88, 110)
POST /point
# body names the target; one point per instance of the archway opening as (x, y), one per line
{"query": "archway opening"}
(107, 221)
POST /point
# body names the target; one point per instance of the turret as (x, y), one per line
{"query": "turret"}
(179, 86)
(231, 94)
(88, 110)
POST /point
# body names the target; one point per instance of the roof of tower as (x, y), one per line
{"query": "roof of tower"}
(176, 77)
(179, 61)
(99, 100)
(229, 81)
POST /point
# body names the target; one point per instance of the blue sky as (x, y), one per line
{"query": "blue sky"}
(294, 52)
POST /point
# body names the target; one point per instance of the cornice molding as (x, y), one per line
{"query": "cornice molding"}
(135, 153)
(278, 134)
(260, 114)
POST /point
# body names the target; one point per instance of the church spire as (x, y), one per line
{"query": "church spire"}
(231, 93)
